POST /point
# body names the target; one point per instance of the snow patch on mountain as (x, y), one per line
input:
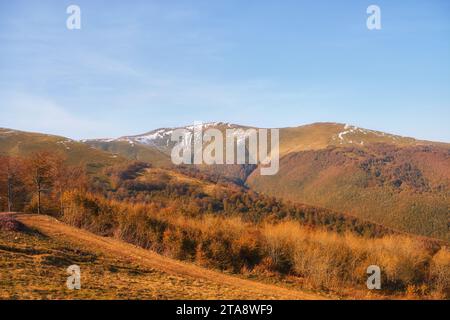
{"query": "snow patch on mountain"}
(64, 143)
(349, 131)
(162, 137)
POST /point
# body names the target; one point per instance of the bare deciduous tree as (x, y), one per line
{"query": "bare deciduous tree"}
(11, 180)
(41, 168)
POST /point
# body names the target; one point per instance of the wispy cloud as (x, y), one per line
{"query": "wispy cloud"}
(39, 114)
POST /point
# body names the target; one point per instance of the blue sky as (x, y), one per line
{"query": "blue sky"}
(139, 65)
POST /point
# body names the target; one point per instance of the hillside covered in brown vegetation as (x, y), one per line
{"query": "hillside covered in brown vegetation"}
(235, 224)
(400, 182)
(406, 188)
(186, 215)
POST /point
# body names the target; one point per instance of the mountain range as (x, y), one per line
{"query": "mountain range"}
(400, 182)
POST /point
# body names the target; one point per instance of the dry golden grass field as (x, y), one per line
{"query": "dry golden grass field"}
(33, 265)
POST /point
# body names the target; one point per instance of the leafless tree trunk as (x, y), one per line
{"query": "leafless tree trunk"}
(38, 189)
(61, 208)
(10, 193)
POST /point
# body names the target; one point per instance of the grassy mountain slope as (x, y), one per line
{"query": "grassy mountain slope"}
(21, 144)
(319, 136)
(132, 151)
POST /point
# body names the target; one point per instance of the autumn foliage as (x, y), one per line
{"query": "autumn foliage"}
(324, 260)
(223, 226)
(36, 183)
